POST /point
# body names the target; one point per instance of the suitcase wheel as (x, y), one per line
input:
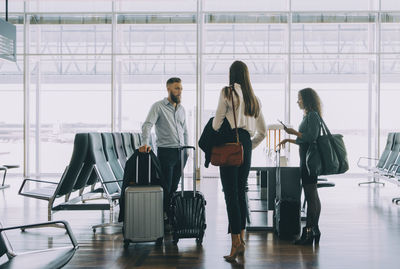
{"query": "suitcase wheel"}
(175, 240)
(199, 240)
(159, 241)
(126, 244)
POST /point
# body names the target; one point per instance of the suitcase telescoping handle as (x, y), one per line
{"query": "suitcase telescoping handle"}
(182, 149)
(137, 168)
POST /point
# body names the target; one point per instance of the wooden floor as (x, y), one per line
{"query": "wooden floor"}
(360, 229)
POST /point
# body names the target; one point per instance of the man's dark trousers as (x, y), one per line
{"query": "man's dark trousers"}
(170, 160)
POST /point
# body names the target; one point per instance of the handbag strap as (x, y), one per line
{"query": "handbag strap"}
(234, 116)
(324, 127)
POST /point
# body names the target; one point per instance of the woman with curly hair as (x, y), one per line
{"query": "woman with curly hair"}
(309, 130)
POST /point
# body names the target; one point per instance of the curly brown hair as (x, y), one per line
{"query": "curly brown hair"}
(311, 100)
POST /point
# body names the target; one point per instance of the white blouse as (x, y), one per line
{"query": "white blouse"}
(255, 126)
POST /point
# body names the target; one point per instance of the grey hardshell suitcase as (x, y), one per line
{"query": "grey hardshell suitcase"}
(144, 214)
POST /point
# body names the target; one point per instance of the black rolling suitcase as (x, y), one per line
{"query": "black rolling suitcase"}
(287, 201)
(188, 208)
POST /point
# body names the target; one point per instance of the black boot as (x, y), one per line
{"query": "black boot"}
(317, 234)
(306, 238)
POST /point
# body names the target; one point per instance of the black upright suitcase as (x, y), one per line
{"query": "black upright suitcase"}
(287, 201)
(188, 208)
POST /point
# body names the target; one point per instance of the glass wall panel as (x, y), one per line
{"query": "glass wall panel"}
(156, 5)
(68, 94)
(71, 34)
(69, 5)
(13, 6)
(390, 33)
(245, 38)
(389, 97)
(12, 107)
(156, 38)
(390, 4)
(335, 5)
(12, 113)
(251, 5)
(343, 84)
(332, 38)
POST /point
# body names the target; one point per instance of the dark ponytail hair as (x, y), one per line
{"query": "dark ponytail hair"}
(239, 73)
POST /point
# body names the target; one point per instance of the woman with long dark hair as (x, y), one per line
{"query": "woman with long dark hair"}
(251, 130)
(309, 130)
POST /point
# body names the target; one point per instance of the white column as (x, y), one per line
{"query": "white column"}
(199, 81)
(115, 116)
(26, 92)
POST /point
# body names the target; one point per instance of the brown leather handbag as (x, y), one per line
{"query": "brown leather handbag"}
(228, 154)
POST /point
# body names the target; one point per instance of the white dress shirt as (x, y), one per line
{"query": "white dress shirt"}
(255, 126)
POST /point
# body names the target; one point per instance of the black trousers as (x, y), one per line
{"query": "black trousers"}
(170, 160)
(234, 182)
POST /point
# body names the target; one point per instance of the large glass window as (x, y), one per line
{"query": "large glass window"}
(99, 65)
(11, 113)
(12, 103)
(389, 96)
(68, 94)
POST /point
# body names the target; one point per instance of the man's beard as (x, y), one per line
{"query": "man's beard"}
(175, 99)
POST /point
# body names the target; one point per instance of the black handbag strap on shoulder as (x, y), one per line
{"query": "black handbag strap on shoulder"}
(325, 129)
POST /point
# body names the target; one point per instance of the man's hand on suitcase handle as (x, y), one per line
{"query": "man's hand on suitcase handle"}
(145, 148)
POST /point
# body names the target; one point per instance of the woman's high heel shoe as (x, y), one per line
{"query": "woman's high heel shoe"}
(236, 251)
(317, 234)
(307, 237)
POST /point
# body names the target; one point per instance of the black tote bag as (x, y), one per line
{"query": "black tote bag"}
(328, 155)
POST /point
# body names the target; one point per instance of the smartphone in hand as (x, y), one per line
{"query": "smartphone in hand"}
(282, 123)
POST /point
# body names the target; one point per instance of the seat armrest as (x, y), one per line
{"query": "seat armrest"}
(34, 180)
(365, 166)
(113, 181)
(42, 181)
(38, 225)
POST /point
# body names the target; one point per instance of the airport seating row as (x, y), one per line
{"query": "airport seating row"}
(387, 167)
(96, 158)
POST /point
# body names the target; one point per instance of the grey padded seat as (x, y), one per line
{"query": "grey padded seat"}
(111, 156)
(137, 140)
(110, 184)
(103, 170)
(119, 148)
(393, 155)
(129, 149)
(382, 160)
(386, 152)
(50, 190)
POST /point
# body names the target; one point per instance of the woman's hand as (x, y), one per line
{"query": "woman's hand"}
(282, 144)
(291, 131)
